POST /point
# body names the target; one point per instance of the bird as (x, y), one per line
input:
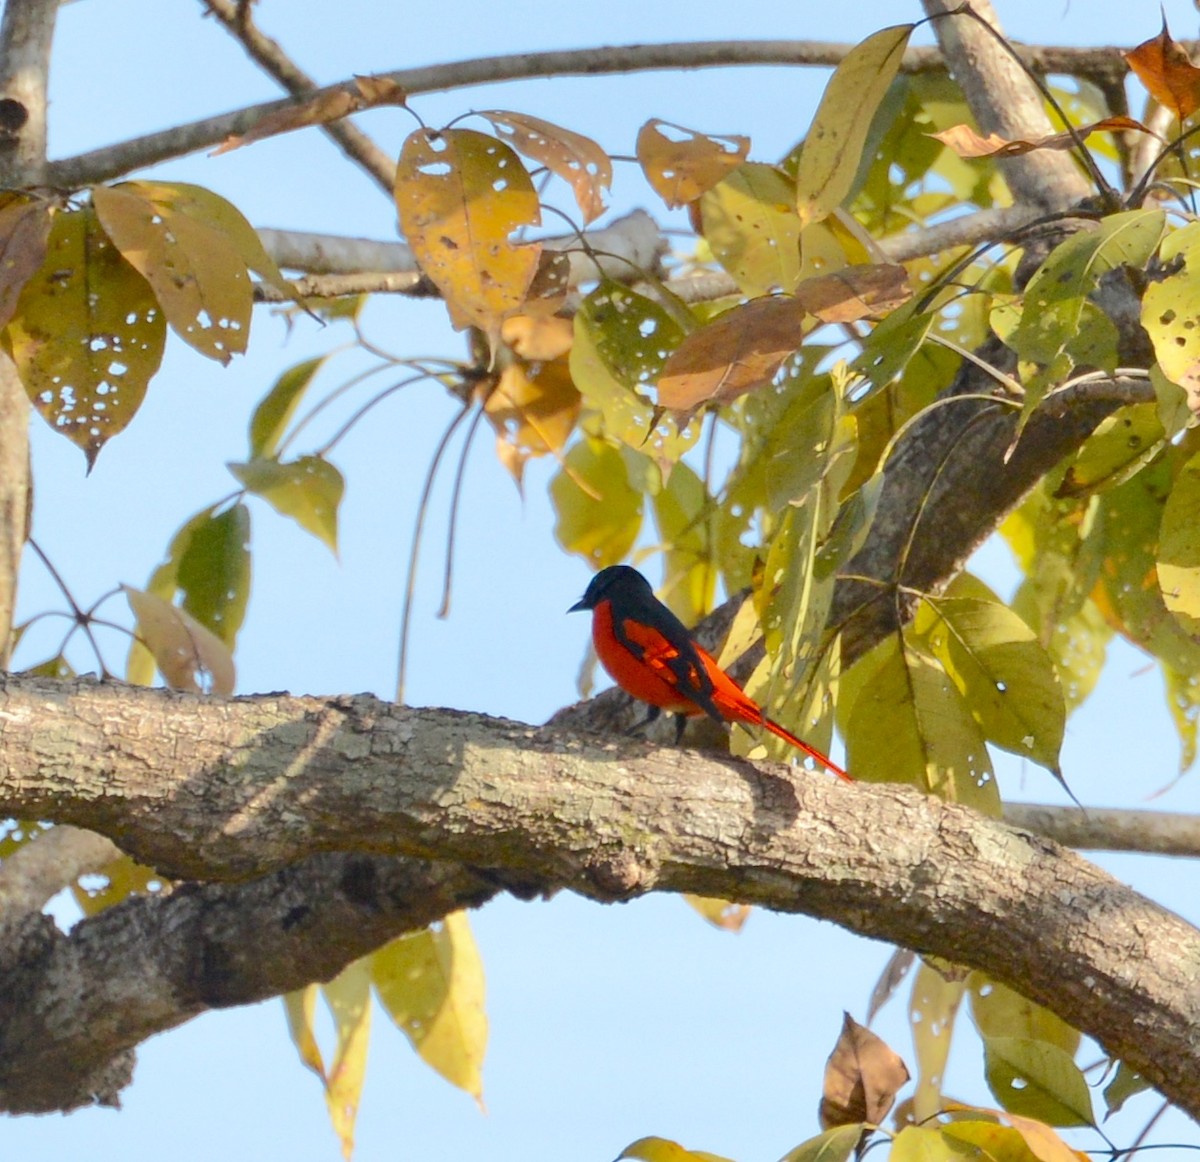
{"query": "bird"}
(652, 655)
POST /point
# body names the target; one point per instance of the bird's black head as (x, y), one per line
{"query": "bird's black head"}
(616, 580)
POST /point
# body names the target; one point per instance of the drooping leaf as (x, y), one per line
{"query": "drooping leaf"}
(1183, 703)
(908, 723)
(683, 515)
(197, 275)
(275, 411)
(750, 223)
(1126, 1084)
(967, 142)
(576, 159)
(833, 149)
(24, 233)
(723, 914)
(601, 523)
(664, 1150)
(87, 334)
(858, 291)
(1037, 1079)
(836, 1145)
(461, 195)
(1170, 313)
(899, 965)
(188, 655)
(1000, 1011)
(349, 999)
(533, 409)
(309, 490)
(431, 984)
(1179, 547)
(862, 1077)
(301, 1008)
(681, 165)
(1164, 67)
(932, 1008)
(213, 572)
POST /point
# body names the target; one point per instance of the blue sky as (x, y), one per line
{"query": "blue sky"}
(607, 1023)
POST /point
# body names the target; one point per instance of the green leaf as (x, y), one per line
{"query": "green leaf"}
(921, 1144)
(932, 1008)
(892, 343)
(906, 722)
(1179, 548)
(431, 984)
(1007, 678)
(836, 1145)
(1121, 445)
(1037, 1079)
(1170, 313)
(274, 413)
(833, 149)
(622, 340)
(664, 1150)
(991, 1141)
(309, 490)
(684, 514)
(999, 1011)
(1183, 701)
(1125, 1085)
(213, 571)
(599, 512)
(750, 223)
(87, 336)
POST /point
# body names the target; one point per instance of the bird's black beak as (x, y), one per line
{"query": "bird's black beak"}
(578, 606)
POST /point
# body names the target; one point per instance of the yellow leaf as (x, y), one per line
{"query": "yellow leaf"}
(309, 490)
(574, 158)
(348, 996)
(664, 1150)
(431, 983)
(188, 656)
(87, 335)
(300, 1006)
(932, 1008)
(599, 512)
(836, 1145)
(198, 277)
(122, 877)
(681, 165)
(833, 148)
(460, 196)
(533, 409)
(723, 914)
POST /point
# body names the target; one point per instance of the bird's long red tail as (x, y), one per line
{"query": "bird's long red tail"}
(811, 751)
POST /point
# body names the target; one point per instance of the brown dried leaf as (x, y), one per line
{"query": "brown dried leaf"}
(854, 292)
(24, 230)
(862, 1078)
(198, 277)
(323, 107)
(737, 352)
(189, 656)
(550, 285)
(460, 196)
(87, 334)
(1164, 67)
(576, 159)
(966, 142)
(680, 169)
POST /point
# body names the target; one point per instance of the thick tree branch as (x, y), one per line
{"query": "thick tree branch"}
(118, 159)
(230, 789)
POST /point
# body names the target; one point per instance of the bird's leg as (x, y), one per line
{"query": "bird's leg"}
(651, 714)
(680, 726)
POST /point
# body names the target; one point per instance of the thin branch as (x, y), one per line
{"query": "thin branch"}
(1107, 829)
(267, 53)
(42, 867)
(118, 159)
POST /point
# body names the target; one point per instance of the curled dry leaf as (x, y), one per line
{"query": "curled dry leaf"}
(682, 165)
(1164, 67)
(578, 160)
(966, 142)
(862, 1078)
(24, 231)
(854, 292)
(319, 109)
(189, 656)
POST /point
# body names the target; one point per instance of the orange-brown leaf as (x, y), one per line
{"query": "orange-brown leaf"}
(189, 656)
(323, 107)
(460, 196)
(862, 1077)
(967, 142)
(681, 167)
(739, 351)
(536, 338)
(854, 292)
(24, 229)
(1164, 67)
(578, 160)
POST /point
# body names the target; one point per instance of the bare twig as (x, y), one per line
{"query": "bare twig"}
(267, 53)
(1104, 829)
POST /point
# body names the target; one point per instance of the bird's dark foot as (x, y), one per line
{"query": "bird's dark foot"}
(651, 715)
(680, 727)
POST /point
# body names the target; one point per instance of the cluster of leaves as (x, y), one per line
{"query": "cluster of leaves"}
(812, 364)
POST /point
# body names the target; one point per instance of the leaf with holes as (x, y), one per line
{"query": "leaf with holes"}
(1037, 1080)
(681, 164)
(87, 335)
(1179, 547)
(832, 152)
(461, 195)
(999, 1011)
(932, 1007)
(348, 996)
(906, 722)
(862, 1077)
(967, 142)
(213, 572)
(189, 656)
(198, 278)
(309, 490)
(533, 409)
(749, 221)
(122, 876)
(1170, 313)
(24, 233)
(578, 160)
(599, 513)
(1164, 67)
(431, 984)
(275, 411)
(1121, 444)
